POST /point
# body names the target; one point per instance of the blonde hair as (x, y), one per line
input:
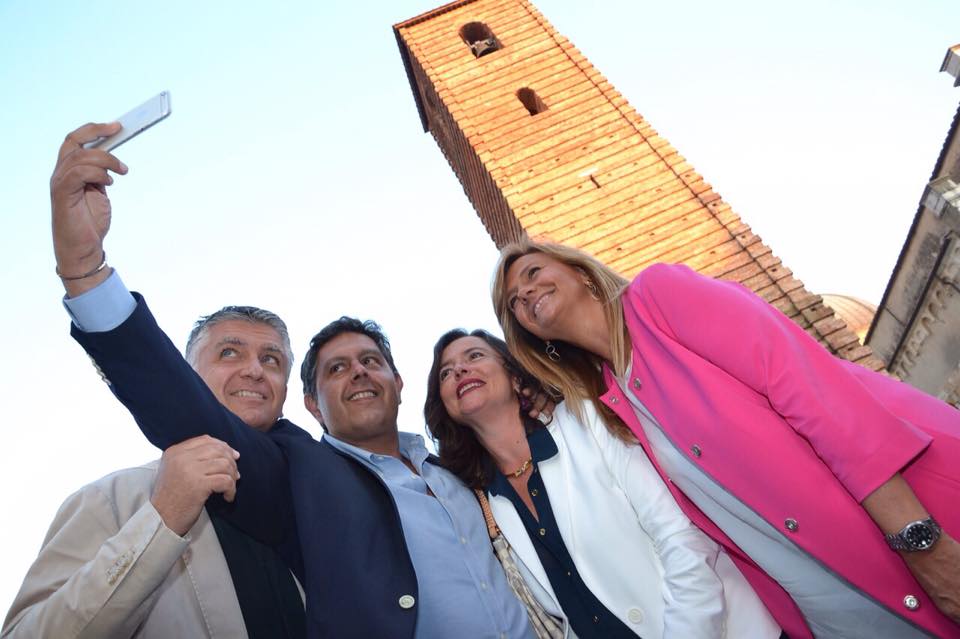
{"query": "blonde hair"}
(578, 375)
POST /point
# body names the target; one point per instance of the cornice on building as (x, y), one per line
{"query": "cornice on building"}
(951, 63)
(938, 195)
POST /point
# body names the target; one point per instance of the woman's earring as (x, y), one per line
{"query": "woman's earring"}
(524, 401)
(552, 353)
(594, 291)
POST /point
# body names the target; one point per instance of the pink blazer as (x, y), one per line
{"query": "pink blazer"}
(795, 433)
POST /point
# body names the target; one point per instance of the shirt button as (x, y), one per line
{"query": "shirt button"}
(406, 602)
(636, 383)
(791, 524)
(543, 531)
(483, 585)
(503, 635)
(911, 602)
(463, 540)
(596, 619)
(614, 400)
(534, 492)
(695, 449)
(635, 615)
(569, 574)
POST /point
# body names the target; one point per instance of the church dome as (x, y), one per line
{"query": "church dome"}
(857, 313)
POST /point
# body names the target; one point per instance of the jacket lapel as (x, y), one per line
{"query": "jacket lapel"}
(526, 555)
(556, 474)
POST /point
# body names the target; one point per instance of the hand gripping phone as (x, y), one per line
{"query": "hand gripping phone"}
(135, 122)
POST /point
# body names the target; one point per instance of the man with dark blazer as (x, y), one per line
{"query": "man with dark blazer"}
(386, 543)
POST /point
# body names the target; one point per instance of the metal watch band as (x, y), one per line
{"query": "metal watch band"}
(900, 540)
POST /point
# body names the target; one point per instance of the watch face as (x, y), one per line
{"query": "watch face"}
(919, 536)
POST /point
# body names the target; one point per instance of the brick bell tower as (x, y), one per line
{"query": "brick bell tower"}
(543, 145)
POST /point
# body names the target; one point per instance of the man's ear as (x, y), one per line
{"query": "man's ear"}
(311, 405)
(399, 386)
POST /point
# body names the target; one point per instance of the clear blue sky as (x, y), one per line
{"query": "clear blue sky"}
(293, 175)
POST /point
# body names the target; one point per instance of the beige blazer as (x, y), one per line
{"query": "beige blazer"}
(110, 568)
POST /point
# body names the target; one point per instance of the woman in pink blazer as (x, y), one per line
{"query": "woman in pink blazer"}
(833, 488)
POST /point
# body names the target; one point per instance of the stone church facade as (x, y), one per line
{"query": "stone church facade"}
(917, 326)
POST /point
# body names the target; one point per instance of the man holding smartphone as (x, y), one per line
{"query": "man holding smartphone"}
(386, 543)
(135, 554)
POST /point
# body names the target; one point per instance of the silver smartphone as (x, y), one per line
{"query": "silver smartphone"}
(135, 122)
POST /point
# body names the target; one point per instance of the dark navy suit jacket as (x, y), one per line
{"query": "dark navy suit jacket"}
(331, 519)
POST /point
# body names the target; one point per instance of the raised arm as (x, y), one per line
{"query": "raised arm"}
(81, 209)
(144, 369)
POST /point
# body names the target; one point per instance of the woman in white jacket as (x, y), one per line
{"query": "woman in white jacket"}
(598, 537)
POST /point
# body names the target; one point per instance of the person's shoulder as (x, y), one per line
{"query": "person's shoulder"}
(574, 417)
(144, 473)
(121, 491)
(285, 431)
(661, 286)
(586, 432)
(565, 413)
(126, 480)
(662, 275)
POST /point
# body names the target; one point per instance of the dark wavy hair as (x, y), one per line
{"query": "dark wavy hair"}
(458, 447)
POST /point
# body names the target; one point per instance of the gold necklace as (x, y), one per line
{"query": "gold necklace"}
(523, 467)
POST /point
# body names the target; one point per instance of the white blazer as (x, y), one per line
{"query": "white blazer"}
(634, 548)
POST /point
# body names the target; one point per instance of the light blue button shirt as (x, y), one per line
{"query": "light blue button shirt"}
(102, 308)
(463, 592)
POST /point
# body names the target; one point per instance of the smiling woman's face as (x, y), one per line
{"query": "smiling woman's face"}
(541, 291)
(472, 378)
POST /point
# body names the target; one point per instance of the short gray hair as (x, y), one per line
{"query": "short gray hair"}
(250, 314)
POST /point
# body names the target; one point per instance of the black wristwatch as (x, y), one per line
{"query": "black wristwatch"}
(917, 535)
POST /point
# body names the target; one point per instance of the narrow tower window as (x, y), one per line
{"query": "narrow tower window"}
(531, 101)
(479, 38)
